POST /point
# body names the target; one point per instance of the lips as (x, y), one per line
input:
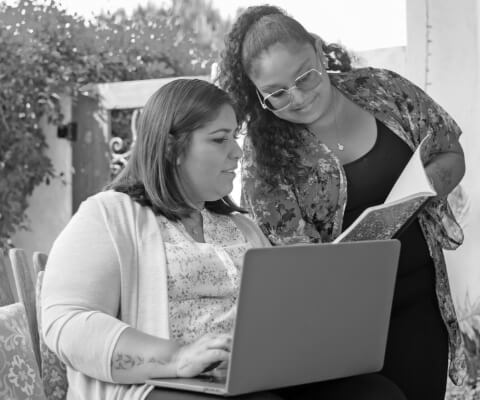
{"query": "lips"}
(230, 170)
(303, 107)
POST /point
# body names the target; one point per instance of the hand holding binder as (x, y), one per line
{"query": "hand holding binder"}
(408, 195)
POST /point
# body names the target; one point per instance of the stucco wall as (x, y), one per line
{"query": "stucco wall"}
(392, 58)
(50, 206)
(442, 57)
(443, 53)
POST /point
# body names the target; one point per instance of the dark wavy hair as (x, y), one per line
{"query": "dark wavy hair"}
(151, 176)
(274, 140)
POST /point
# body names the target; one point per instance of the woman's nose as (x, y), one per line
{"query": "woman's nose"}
(236, 152)
(297, 96)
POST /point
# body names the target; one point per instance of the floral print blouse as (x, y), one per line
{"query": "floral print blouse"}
(203, 278)
(311, 208)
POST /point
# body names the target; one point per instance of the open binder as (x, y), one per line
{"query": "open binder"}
(407, 197)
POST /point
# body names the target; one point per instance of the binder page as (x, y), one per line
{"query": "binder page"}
(413, 180)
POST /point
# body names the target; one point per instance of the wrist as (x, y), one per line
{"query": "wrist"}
(174, 359)
(165, 365)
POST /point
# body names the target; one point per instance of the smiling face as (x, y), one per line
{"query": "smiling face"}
(208, 165)
(279, 66)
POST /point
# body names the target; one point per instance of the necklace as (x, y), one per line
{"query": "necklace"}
(340, 146)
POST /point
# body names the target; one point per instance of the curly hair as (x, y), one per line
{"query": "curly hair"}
(275, 140)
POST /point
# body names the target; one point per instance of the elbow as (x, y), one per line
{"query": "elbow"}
(64, 325)
(458, 168)
(459, 163)
(462, 166)
(48, 329)
(54, 326)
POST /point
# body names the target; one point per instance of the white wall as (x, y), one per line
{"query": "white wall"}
(50, 206)
(443, 50)
(442, 57)
(392, 58)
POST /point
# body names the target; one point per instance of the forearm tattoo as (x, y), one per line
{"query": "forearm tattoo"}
(129, 361)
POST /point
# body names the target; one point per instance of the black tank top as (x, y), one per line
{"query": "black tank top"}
(369, 180)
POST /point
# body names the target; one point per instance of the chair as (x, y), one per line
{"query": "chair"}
(54, 373)
(24, 282)
(7, 295)
(28, 282)
(39, 262)
(19, 374)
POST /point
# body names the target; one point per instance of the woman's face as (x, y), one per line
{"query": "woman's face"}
(207, 167)
(279, 66)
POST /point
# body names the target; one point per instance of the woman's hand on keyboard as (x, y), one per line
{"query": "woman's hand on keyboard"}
(208, 354)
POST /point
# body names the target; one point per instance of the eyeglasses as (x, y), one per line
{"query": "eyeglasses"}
(282, 98)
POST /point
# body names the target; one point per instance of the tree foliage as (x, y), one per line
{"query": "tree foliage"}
(45, 52)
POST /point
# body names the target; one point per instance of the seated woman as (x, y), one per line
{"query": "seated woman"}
(142, 283)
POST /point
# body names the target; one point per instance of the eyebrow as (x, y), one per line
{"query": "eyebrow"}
(275, 87)
(222, 130)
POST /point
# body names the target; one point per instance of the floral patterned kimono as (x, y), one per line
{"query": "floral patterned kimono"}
(310, 209)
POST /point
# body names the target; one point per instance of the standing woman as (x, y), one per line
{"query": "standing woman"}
(311, 135)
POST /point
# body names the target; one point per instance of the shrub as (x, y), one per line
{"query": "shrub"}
(45, 52)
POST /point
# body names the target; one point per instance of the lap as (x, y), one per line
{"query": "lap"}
(416, 358)
(166, 394)
(363, 387)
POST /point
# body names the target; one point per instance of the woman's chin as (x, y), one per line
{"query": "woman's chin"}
(221, 194)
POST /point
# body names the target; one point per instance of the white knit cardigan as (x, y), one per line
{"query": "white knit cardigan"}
(114, 246)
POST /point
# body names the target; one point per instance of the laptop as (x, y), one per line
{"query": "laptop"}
(305, 314)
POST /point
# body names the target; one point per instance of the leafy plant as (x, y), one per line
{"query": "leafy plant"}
(45, 52)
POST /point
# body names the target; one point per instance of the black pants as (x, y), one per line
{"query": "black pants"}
(416, 358)
(363, 387)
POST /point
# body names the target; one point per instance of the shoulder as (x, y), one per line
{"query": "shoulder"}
(242, 219)
(111, 199)
(250, 230)
(370, 78)
(379, 89)
(366, 74)
(114, 207)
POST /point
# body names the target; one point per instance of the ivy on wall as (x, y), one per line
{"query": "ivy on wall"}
(45, 52)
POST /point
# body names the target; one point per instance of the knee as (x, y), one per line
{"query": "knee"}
(262, 396)
(375, 386)
(361, 387)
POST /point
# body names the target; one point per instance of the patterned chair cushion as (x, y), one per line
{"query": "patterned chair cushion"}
(54, 374)
(19, 375)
